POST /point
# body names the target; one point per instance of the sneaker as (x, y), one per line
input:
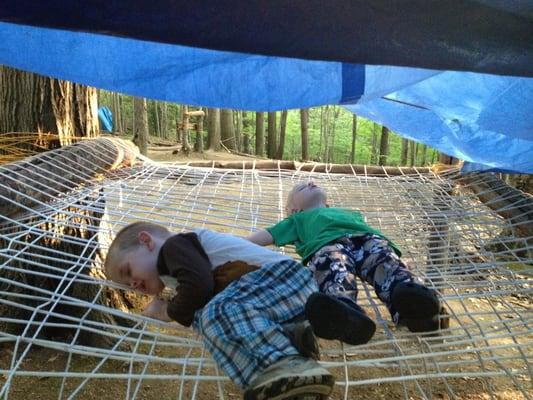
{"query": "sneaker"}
(334, 319)
(418, 307)
(303, 338)
(292, 377)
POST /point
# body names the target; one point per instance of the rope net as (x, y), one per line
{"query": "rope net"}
(66, 332)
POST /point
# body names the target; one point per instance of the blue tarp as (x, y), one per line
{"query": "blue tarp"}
(106, 119)
(481, 118)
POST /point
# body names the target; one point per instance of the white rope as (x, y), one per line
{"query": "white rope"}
(456, 243)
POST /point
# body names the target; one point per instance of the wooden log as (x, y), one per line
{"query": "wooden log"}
(196, 113)
(510, 203)
(44, 177)
(312, 167)
(164, 148)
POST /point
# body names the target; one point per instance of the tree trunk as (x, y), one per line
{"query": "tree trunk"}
(304, 122)
(271, 135)
(238, 129)
(424, 154)
(354, 137)
(325, 156)
(260, 133)
(213, 129)
(199, 143)
(157, 124)
(184, 130)
(246, 143)
(331, 153)
(374, 150)
(164, 121)
(412, 153)
(282, 130)
(405, 147)
(384, 146)
(34, 103)
(227, 129)
(114, 111)
(446, 159)
(140, 135)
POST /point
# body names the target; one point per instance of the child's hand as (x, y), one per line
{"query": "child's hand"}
(157, 309)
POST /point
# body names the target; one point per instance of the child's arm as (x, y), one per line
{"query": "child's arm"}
(185, 259)
(157, 309)
(261, 237)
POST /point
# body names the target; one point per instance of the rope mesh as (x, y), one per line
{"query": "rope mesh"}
(461, 247)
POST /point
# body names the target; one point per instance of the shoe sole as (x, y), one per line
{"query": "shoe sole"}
(312, 387)
(304, 340)
(418, 306)
(333, 320)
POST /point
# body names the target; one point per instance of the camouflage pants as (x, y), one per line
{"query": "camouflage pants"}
(370, 257)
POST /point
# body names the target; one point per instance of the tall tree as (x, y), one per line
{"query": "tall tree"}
(164, 120)
(184, 130)
(325, 132)
(271, 135)
(213, 129)
(405, 147)
(424, 154)
(354, 137)
(227, 129)
(259, 133)
(282, 130)
(384, 146)
(140, 136)
(412, 153)
(331, 152)
(199, 142)
(374, 150)
(35, 103)
(116, 112)
(304, 121)
(237, 118)
(157, 123)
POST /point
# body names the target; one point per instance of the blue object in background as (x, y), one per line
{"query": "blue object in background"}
(106, 119)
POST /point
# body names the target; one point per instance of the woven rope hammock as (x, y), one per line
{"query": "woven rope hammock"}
(66, 332)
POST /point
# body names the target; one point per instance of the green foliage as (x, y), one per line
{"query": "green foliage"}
(338, 126)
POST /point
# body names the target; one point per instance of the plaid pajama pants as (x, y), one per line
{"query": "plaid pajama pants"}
(241, 326)
(370, 257)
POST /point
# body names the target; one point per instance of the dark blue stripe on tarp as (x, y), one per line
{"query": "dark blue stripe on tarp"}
(353, 83)
(472, 35)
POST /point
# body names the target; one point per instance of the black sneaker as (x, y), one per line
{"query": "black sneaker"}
(333, 319)
(303, 338)
(292, 377)
(418, 307)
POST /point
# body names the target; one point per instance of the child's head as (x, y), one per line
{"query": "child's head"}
(304, 196)
(132, 257)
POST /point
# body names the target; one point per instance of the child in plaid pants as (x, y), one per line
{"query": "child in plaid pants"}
(243, 323)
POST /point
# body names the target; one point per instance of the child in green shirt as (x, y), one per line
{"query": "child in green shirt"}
(337, 245)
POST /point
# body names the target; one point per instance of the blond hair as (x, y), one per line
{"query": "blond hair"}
(128, 238)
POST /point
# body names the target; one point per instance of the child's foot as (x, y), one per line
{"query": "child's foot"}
(292, 377)
(335, 319)
(418, 307)
(303, 338)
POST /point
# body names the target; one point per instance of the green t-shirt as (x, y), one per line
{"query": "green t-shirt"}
(312, 229)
